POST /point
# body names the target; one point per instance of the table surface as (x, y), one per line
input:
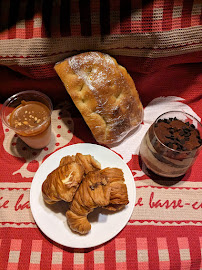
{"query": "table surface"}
(164, 231)
(159, 43)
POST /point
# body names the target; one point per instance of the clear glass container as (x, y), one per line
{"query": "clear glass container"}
(28, 113)
(170, 147)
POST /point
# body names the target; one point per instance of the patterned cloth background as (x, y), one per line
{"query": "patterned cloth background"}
(159, 43)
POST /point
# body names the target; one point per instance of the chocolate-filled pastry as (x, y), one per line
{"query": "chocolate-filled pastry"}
(87, 161)
(62, 183)
(104, 93)
(118, 188)
(93, 192)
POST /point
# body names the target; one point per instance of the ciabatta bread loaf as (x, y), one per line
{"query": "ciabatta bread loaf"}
(104, 93)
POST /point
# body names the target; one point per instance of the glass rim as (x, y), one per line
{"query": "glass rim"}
(171, 149)
(13, 97)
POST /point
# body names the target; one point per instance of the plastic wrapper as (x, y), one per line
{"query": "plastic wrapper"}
(104, 93)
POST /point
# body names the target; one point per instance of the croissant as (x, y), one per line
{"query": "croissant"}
(67, 159)
(103, 188)
(93, 192)
(87, 161)
(62, 183)
(118, 188)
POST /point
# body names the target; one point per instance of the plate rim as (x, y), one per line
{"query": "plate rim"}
(130, 211)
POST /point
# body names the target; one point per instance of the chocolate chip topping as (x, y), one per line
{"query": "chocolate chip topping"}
(178, 135)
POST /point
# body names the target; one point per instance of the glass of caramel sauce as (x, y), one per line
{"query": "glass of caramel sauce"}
(28, 113)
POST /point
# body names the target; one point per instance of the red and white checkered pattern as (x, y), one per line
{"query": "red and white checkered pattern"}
(14, 254)
(99, 258)
(200, 241)
(154, 40)
(142, 254)
(41, 33)
(184, 252)
(35, 257)
(120, 246)
(164, 260)
(57, 257)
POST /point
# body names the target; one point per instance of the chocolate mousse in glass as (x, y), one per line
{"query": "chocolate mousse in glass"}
(172, 143)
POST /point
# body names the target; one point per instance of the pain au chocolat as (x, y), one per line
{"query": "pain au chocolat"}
(104, 93)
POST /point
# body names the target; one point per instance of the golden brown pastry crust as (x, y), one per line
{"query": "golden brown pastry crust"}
(62, 183)
(87, 161)
(93, 192)
(78, 223)
(67, 159)
(102, 188)
(80, 180)
(118, 188)
(104, 93)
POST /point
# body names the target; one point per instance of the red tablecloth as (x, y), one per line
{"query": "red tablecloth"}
(164, 231)
(159, 43)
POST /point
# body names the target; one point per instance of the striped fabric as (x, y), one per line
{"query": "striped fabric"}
(63, 18)
(36, 34)
(159, 43)
(164, 253)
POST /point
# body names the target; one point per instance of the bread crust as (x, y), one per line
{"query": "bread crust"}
(104, 93)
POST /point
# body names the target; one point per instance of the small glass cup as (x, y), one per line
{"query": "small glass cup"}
(38, 135)
(171, 159)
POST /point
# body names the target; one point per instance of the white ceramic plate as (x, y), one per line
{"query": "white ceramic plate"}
(52, 220)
